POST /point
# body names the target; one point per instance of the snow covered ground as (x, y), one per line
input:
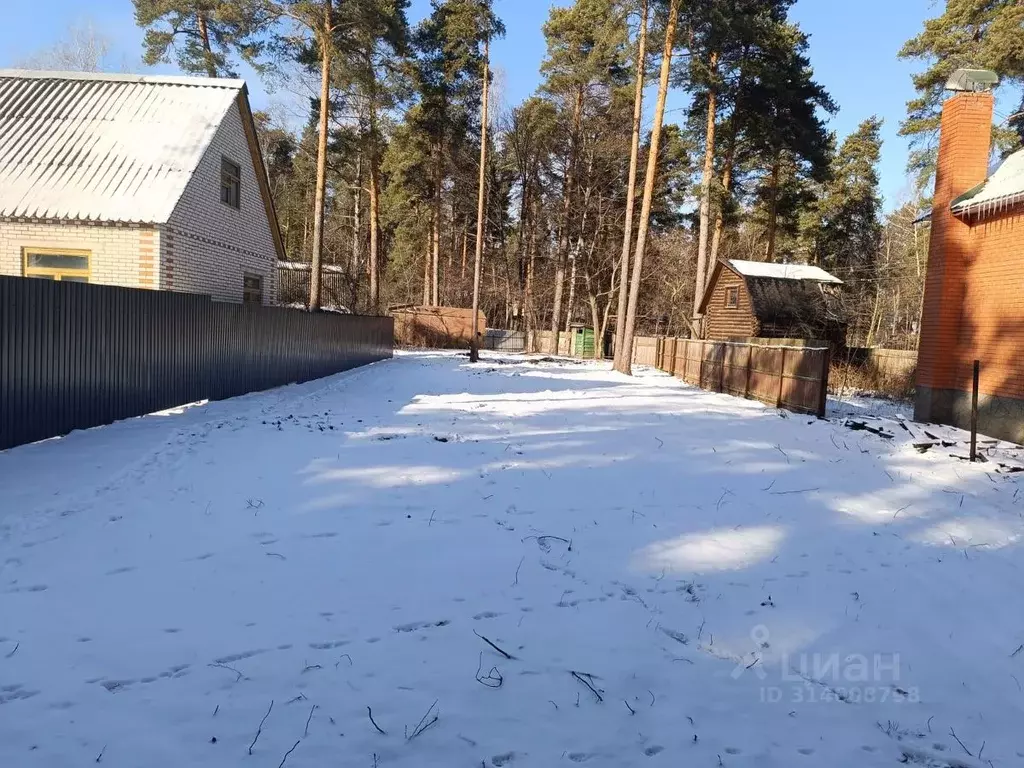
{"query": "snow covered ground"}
(672, 578)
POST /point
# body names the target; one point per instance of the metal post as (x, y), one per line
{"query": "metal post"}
(974, 412)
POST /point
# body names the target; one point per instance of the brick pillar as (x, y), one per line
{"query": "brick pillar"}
(964, 148)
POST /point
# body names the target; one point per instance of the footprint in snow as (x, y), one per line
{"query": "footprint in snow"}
(505, 759)
(486, 615)
(653, 750)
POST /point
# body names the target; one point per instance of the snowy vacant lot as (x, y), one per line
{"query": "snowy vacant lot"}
(423, 563)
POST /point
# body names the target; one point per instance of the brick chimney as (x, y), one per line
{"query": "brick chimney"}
(964, 148)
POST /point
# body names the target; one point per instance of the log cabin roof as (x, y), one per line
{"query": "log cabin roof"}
(784, 293)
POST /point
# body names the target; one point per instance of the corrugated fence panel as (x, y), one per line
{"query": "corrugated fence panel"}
(784, 377)
(74, 356)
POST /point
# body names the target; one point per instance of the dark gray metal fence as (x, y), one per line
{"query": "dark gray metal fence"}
(74, 356)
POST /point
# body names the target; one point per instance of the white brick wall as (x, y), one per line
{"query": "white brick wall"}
(120, 254)
(207, 245)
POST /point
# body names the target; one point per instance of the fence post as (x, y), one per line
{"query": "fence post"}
(750, 364)
(974, 411)
(782, 378)
(700, 367)
(826, 363)
(721, 373)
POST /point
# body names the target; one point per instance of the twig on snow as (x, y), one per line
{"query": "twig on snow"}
(281, 764)
(308, 667)
(929, 723)
(232, 669)
(275, 554)
(507, 655)
(553, 704)
(305, 733)
(801, 490)
(661, 443)
(631, 710)
(260, 729)
(380, 730)
(652, 696)
(1019, 649)
(343, 656)
(586, 683)
(431, 520)
(99, 757)
(540, 539)
(493, 679)
(16, 647)
(216, 710)
(965, 749)
(516, 582)
(423, 724)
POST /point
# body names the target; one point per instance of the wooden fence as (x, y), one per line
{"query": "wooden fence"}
(794, 378)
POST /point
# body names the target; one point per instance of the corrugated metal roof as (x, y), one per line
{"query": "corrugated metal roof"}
(1002, 188)
(782, 271)
(99, 147)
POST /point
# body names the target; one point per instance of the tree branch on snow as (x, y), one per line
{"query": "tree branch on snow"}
(380, 730)
(506, 654)
(260, 729)
(281, 764)
(424, 723)
(493, 679)
(586, 683)
(231, 669)
(965, 749)
(305, 733)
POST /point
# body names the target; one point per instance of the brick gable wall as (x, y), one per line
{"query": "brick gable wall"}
(207, 245)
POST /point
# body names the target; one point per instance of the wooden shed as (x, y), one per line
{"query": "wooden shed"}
(747, 299)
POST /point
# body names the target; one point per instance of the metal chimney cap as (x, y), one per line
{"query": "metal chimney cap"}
(972, 80)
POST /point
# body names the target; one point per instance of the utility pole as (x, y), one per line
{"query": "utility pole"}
(474, 349)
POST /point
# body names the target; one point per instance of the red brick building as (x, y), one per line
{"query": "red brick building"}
(974, 291)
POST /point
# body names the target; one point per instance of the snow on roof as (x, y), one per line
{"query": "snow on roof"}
(782, 271)
(1004, 187)
(101, 147)
(305, 266)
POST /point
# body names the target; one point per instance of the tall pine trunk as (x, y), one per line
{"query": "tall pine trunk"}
(773, 208)
(564, 233)
(436, 234)
(374, 259)
(652, 172)
(426, 264)
(357, 219)
(321, 157)
(634, 161)
(705, 187)
(204, 39)
(474, 347)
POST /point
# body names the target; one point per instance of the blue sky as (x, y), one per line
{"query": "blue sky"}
(853, 50)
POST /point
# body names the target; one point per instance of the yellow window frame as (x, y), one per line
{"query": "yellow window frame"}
(56, 273)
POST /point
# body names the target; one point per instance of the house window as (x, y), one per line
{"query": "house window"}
(230, 183)
(732, 298)
(252, 289)
(71, 266)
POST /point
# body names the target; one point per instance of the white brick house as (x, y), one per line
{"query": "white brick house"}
(145, 182)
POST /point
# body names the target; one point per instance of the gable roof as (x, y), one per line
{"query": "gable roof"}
(781, 271)
(779, 291)
(1002, 189)
(101, 147)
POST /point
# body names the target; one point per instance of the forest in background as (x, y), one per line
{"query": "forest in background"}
(586, 186)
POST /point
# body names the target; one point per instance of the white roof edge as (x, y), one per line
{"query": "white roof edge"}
(200, 82)
(776, 271)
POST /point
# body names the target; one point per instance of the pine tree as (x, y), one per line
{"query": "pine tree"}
(987, 34)
(585, 45)
(202, 35)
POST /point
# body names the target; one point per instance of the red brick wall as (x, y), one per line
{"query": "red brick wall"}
(962, 164)
(991, 319)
